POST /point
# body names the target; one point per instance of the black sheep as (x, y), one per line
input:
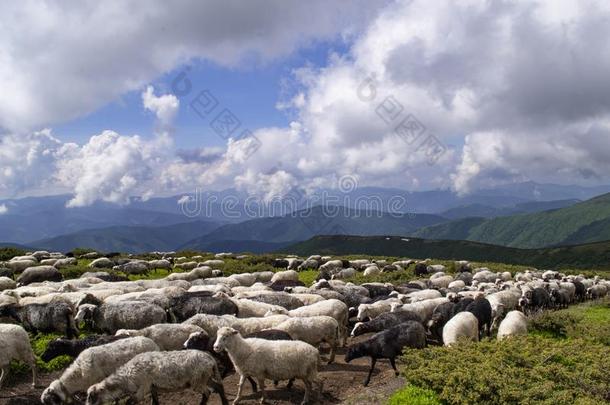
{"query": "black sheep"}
(421, 269)
(388, 345)
(580, 291)
(52, 317)
(466, 277)
(376, 290)
(481, 309)
(72, 348)
(283, 300)
(279, 285)
(385, 321)
(201, 302)
(39, 274)
(440, 316)
(461, 305)
(280, 263)
(6, 272)
(560, 298)
(536, 299)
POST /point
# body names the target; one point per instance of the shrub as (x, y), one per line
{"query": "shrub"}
(7, 253)
(528, 369)
(415, 396)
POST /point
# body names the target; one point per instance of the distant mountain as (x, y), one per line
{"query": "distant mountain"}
(240, 246)
(587, 256)
(304, 224)
(129, 239)
(485, 211)
(579, 223)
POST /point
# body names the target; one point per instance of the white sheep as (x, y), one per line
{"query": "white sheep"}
(515, 323)
(423, 295)
(265, 359)
(92, 366)
(462, 325)
(196, 273)
(15, 345)
(168, 336)
(372, 271)
(7, 284)
(375, 309)
(313, 330)
(286, 275)
(211, 323)
(423, 308)
(164, 371)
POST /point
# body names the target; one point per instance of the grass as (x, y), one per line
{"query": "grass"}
(413, 395)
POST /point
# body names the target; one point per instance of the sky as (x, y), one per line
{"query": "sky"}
(108, 100)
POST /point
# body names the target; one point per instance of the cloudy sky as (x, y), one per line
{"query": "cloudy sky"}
(107, 100)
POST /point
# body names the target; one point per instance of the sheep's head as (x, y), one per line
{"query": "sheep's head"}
(197, 341)
(55, 348)
(358, 329)
(85, 313)
(55, 394)
(363, 312)
(126, 332)
(97, 395)
(223, 337)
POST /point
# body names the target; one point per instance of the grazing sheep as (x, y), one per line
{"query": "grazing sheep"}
(421, 268)
(66, 262)
(535, 300)
(262, 359)
(560, 298)
(101, 263)
(148, 373)
(186, 305)
(597, 291)
(388, 344)
(47, 318)
(423, 308)
(252, 309)
(284, 300)
(371, 311)
(384, 321)
(440, 316)
(197, 273)
(344, 273)
(39, 274)
(74, 347)
(7, 284)
(423, 295)
(372, 270)
(110, 317)
(92, 366)
(287, 275)
(168, 336)
(137, 267)
(18, 266)
(15, 345)
(481, 308)
(313, 330)
(462, 325)
(515, 323)
(160, 264)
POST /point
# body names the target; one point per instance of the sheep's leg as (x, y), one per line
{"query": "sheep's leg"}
(393, 363)
(307, 391)
(154, 397)
(204, 397)
(290, 382)
(242, 381)
(253, 384)
(333, 349)
(261, 382)
(34, 371)
(368, 378)
(3, 374)
(219, 388)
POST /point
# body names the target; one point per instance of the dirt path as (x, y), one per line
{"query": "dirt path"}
(342, 384)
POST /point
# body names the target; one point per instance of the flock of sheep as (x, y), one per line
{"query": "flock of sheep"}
(191, 328)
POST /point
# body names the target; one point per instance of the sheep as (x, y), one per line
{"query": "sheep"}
(441, 282)
(52, 317)
(307, 299)
(597, 291)
(309, 264)
(372, 271)
(20, 265)
(481, 308)
(384, 321)
(375, 309)
(287, 275)
(423, 295)
(313, 330)
(515, 323)
(39, 274)
(440, 316)
(421, 269)
(536, 299)
(345, 273)
(136, 267)
(388, 344)
(15, 345)
(160, 264)
(168, 336)
(501, 302)
(263, 359)
(185, 306)
(7, 284)
(456, 285)
(92, 366)
(213, 263)
(560, 298)
(249, 309)
(101, 263)
(462, 325)
(109, 318)
(284, 300)
(74, 347)
(422, 308)
(148, 372)
(246, 326)
(66, 262)
(188, 265)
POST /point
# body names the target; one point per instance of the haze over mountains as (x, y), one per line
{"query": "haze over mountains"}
(229, 220)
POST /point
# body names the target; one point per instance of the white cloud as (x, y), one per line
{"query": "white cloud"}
(3, 209)
(165, 107)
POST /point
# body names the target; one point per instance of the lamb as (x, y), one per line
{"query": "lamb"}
(462, 325)
(15, 345)
(52, 317)
(313, 330)
(168, 336)
(384, 321)
(39, 274)
(515, 323)
(74, 347)
(275, 360)
(92, 366)
(109, 318)
(149, 372)
(388, 344)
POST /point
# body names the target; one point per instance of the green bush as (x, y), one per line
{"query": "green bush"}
(526, 370)
(414, 396)
(7, 253)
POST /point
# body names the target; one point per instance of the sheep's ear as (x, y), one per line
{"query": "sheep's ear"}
(234, 332)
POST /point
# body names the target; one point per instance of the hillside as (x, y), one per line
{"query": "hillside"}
(129, 239)
(486, 211)
(588, 256)
(304, 224)
(579, 223)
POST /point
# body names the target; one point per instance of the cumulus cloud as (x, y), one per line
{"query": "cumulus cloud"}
(3, 209)
(122, 46)
(165, 107)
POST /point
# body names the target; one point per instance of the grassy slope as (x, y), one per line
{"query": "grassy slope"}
(532, 230)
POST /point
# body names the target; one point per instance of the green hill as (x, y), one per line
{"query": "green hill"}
(588, 256)
(580, 223)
